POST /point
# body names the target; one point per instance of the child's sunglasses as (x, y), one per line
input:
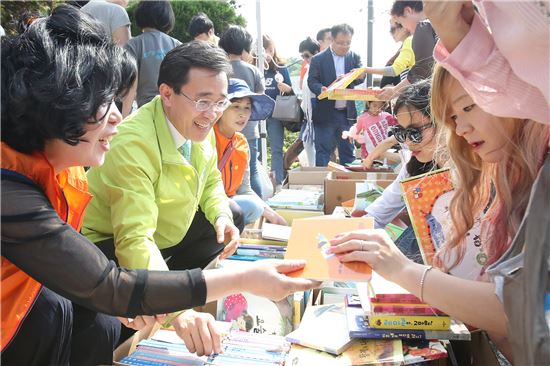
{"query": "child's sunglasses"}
(413, 133)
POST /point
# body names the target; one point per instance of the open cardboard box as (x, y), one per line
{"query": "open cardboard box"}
(340, 186)
(302, 176)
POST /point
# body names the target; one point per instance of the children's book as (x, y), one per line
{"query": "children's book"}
(250, 313)
(358, 327)
(343, 82)
(428, 197)
(324, 328)
(309, 240)
(419, 351)
(361, 352)
(369, 94)
(398, 321)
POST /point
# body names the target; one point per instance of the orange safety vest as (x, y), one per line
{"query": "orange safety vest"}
(234, 168)
(68, 194)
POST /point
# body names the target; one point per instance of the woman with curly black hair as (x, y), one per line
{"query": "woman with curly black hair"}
(59, 81)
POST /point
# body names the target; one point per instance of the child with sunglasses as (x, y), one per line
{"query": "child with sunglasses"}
(417, 134)
(495, 162)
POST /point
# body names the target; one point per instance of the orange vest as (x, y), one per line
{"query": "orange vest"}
(233, 171)
(68, 194)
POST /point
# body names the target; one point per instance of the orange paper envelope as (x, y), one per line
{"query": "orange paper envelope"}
(309, 241)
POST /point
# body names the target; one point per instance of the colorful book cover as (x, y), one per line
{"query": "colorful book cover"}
(358, 327)
(323, 327)
(309, 241)
(361, 352)
(397, 321)
(343, 82)
(415, 351)
(373, 352)
(251, 313)
(427, 197)
(369, 94)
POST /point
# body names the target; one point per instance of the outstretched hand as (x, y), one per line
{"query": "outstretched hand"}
(268, 278)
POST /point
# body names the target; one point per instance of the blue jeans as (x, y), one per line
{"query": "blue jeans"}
(252, 207)
(275, 135)
(255, 180)
(328, 137)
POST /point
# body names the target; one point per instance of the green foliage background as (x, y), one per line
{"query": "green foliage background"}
(221, 12)
(11, 12)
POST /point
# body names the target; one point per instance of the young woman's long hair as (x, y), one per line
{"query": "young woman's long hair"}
(275, 62)
(502, 188)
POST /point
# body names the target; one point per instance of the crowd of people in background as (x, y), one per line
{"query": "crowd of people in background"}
(170, 194)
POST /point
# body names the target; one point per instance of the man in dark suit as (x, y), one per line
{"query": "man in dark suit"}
(331, 117)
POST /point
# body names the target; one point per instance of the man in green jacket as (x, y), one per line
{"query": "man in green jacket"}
(159, 194)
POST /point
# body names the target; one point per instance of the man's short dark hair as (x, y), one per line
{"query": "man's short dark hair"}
(235, 40)
(341, 28)
(56, 76)
(321, 34)
(398, 7)
(155, 14)
(310, 45)
(199, 24)
(174, 69)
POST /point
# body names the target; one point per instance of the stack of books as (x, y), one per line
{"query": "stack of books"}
(384, 310)
(297, 199)
(238, 348)
(269, 242)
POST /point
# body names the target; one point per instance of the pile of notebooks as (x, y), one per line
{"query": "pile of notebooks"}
(238, 348)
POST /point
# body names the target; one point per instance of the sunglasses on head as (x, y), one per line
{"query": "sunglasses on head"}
(414, 134)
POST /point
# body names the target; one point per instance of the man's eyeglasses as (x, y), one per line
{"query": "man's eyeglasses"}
(412, 133)
(306, 56)
(202, 105)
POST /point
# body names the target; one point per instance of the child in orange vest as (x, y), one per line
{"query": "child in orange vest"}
(233, 154)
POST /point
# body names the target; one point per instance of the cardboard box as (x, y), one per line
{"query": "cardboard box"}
(340, 186)
(307, 176)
